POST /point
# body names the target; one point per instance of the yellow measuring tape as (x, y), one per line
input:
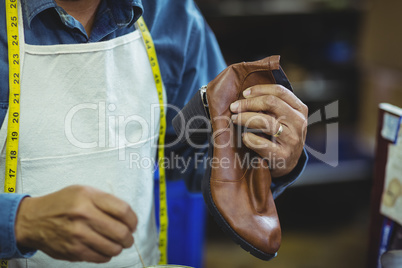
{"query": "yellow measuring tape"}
(14, 101)
(163, 216)
(14, 117)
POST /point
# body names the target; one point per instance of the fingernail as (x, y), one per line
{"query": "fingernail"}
(234, 117)
(246, 92)
(234, 106)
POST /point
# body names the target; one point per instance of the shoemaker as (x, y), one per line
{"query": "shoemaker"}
(88, 101)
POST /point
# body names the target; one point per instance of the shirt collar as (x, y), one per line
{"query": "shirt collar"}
(125, 12)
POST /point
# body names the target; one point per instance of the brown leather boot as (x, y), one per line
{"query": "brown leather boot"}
(236, 185)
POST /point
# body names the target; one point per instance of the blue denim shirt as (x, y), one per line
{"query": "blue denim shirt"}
(188, 54)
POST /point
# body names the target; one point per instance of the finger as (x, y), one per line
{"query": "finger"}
(267, 103)
(111, 229)
(83, 244)
(266, 123)
(85, 253)
(94, 257)
(277, 91)
(78, 253)
(100, 244)
(279, 155)
(116, 208)
(260, 145)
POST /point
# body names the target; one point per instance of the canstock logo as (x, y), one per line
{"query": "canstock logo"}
(331, 154)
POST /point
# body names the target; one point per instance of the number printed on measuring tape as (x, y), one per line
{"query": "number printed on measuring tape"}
(3, 264)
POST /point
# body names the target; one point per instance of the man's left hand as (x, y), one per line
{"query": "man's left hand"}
(278, 113)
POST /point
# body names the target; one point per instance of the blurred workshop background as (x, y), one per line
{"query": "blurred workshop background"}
(343, 58)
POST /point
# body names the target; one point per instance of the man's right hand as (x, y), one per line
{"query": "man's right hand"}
(78, 223)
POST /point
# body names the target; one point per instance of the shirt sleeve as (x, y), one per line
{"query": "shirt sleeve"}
(203, 63)
(9, 204)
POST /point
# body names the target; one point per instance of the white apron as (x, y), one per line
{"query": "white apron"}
(89, 116)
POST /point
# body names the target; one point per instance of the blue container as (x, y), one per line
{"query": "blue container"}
(186, 230)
